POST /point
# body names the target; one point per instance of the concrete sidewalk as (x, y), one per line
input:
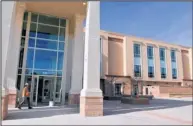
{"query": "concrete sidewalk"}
(173, 111)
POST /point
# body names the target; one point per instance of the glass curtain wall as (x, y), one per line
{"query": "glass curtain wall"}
(42, 48)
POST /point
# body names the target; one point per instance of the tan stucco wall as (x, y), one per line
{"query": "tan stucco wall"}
(115, 57)
(126, 66)
(186, 64)
(105, 43)
(59, 9)
(166, 91)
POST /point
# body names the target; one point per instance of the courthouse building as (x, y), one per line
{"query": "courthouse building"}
(44, 44)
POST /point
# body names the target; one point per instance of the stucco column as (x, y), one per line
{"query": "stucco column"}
(13, 53)
(157, 64)
(91, 100)
(144, 62)
(77, 61)
(179, 65)
(8, 15)
(125, 57)
(168, 64)
(190, 62)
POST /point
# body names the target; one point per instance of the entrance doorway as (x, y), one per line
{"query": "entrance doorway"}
(146, 91)
(43, 89)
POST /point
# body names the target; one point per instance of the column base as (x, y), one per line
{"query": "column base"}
(12, 100)
(91, 106)
(74, 99)
(4, 107)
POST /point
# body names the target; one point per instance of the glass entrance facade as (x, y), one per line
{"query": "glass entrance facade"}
(42, 53)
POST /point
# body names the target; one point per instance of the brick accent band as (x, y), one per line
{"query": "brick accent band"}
(74, 99)
(4, 107)
(12, 100)
(91, 106)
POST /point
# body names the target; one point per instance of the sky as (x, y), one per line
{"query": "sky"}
(170, 22)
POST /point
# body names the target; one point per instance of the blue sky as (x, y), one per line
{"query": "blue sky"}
(166, 21)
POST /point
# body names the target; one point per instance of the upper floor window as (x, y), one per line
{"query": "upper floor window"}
(174, 64)
(173, 55)
(174, 73)
(137, 70)
(163, 72)
(150, 71)
(136, 50)
(150, 52)
(162, 54)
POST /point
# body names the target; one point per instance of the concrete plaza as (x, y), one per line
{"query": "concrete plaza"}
(171, 111)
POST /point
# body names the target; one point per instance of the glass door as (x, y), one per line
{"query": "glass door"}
(34, 90)
(48, 89)
(58, 90)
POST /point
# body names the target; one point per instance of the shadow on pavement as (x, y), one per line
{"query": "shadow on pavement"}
(110, 108)
(41, 112)
(155, 104)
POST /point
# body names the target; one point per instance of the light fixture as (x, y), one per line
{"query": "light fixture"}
(84, 3)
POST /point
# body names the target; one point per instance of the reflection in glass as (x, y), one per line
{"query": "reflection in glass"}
(24, 28)
(48, 20)
(28, 71)
(32, 32)
(21, 57)
(31, 42)
(63, 22)
(25, 16)
(44, 72)
(19, 71)
(22, 42)
(34, 17)
(58, 87)
(59, 73)
(46, 44)
(30, 56)
(18, 82)
(61, 46)
(60, 60)
(45, 59)
(47, 32)
(62, 34)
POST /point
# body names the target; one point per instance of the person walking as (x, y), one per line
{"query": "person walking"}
(25, 96)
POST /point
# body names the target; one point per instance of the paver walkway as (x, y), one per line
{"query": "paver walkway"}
(173, 111)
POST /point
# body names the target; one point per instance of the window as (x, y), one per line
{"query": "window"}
(117, 89)
(162, 62)
(163, 72)
(137, 60)
(173, 55)
(174, 65)
(150, 52)
(137, 71)
(45, 59)
(162, 54)
(150, 58)
(174, 73)
(136, 50)
(150, 71)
